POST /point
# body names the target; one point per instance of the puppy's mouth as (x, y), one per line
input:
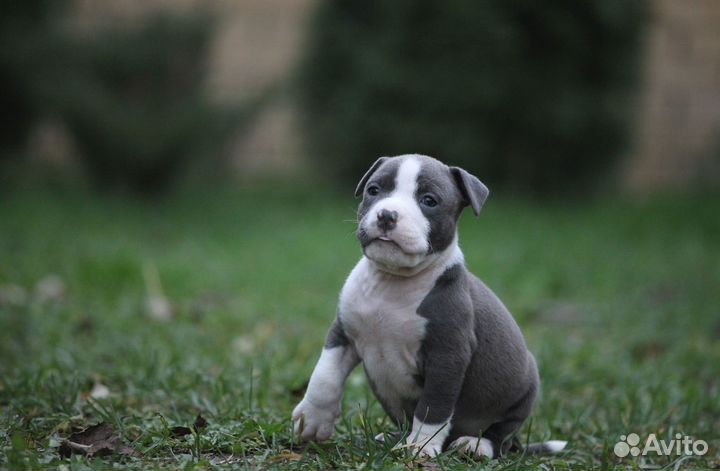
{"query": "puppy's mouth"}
(381, 240)
(385, 240)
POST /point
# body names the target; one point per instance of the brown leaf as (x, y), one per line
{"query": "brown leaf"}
(200, 423)
(285, 455)
(96, 440)
(129, 451)
(180, 431)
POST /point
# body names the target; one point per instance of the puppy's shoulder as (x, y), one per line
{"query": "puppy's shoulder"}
(450, 297)
(484, 300)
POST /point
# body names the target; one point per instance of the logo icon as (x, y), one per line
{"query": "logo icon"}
(627, 445)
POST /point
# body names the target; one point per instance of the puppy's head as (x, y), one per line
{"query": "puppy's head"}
(410, 208)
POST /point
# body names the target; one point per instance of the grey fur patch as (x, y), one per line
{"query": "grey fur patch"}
(447, 348)
(502, 379)
(436, 180)
(475, 366)
(336, 336)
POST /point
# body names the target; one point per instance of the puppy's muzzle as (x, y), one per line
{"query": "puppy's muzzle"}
(387, 220)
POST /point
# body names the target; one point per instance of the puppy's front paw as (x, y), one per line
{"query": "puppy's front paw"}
(314, 423)
(427, 439)
(426, 449)
(474, 446)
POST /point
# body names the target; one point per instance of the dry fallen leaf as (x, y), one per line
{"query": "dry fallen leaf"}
(180, 430)
(99, 391)
(244, 344)
(200, 422)
(96, 440)
(159, 308)
(157, 305)
(50, 289)
(285, 455)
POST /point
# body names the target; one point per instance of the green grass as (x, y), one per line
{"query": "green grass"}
(619, 301)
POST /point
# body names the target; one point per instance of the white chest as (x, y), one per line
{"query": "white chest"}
(379, 314)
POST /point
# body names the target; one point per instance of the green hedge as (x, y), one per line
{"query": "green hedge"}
(24, 37)
(133, 99)
(132, 95)
(530, 95)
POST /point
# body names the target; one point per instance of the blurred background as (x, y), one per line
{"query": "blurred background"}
(176, 210)
(535, 98)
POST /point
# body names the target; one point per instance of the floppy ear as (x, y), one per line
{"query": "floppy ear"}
(361, 186)
(473, 190)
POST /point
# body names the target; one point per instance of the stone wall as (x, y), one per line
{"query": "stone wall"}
(252, 58)
(678, 129)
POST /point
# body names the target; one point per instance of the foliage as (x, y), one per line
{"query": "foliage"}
(133, 100)
(533, 95)
(618, 301)
(23, 39)
(130, 93)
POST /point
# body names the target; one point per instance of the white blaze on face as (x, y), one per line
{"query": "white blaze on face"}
(406, 180)
(412, 229)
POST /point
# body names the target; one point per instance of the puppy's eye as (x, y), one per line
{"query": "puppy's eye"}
(429, 201)
(373, 190)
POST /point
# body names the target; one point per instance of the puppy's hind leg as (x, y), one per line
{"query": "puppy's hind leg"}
(503, 434)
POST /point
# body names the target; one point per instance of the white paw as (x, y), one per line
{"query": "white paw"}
(427, 439)
(474, 446)
(314, 423)
(428, 449)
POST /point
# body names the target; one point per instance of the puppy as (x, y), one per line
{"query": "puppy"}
(441, 353)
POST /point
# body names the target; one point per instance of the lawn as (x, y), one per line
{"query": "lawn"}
(619, 301)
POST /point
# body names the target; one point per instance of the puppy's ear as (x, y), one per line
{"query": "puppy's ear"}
(473, 190)
(361, 186)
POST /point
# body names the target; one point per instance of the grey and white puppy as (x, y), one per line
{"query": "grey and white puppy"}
(441, 352)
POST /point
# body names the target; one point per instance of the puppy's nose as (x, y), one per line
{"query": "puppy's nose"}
(387, 220)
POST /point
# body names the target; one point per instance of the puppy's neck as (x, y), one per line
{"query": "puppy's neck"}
(437, 261)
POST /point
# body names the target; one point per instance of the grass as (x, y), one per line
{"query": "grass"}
(618, 300)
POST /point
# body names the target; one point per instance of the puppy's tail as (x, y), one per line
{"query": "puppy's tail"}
(550, 447)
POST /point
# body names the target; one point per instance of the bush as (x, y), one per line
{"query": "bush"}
(133, 100)
(530, 95)
(23, 40)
